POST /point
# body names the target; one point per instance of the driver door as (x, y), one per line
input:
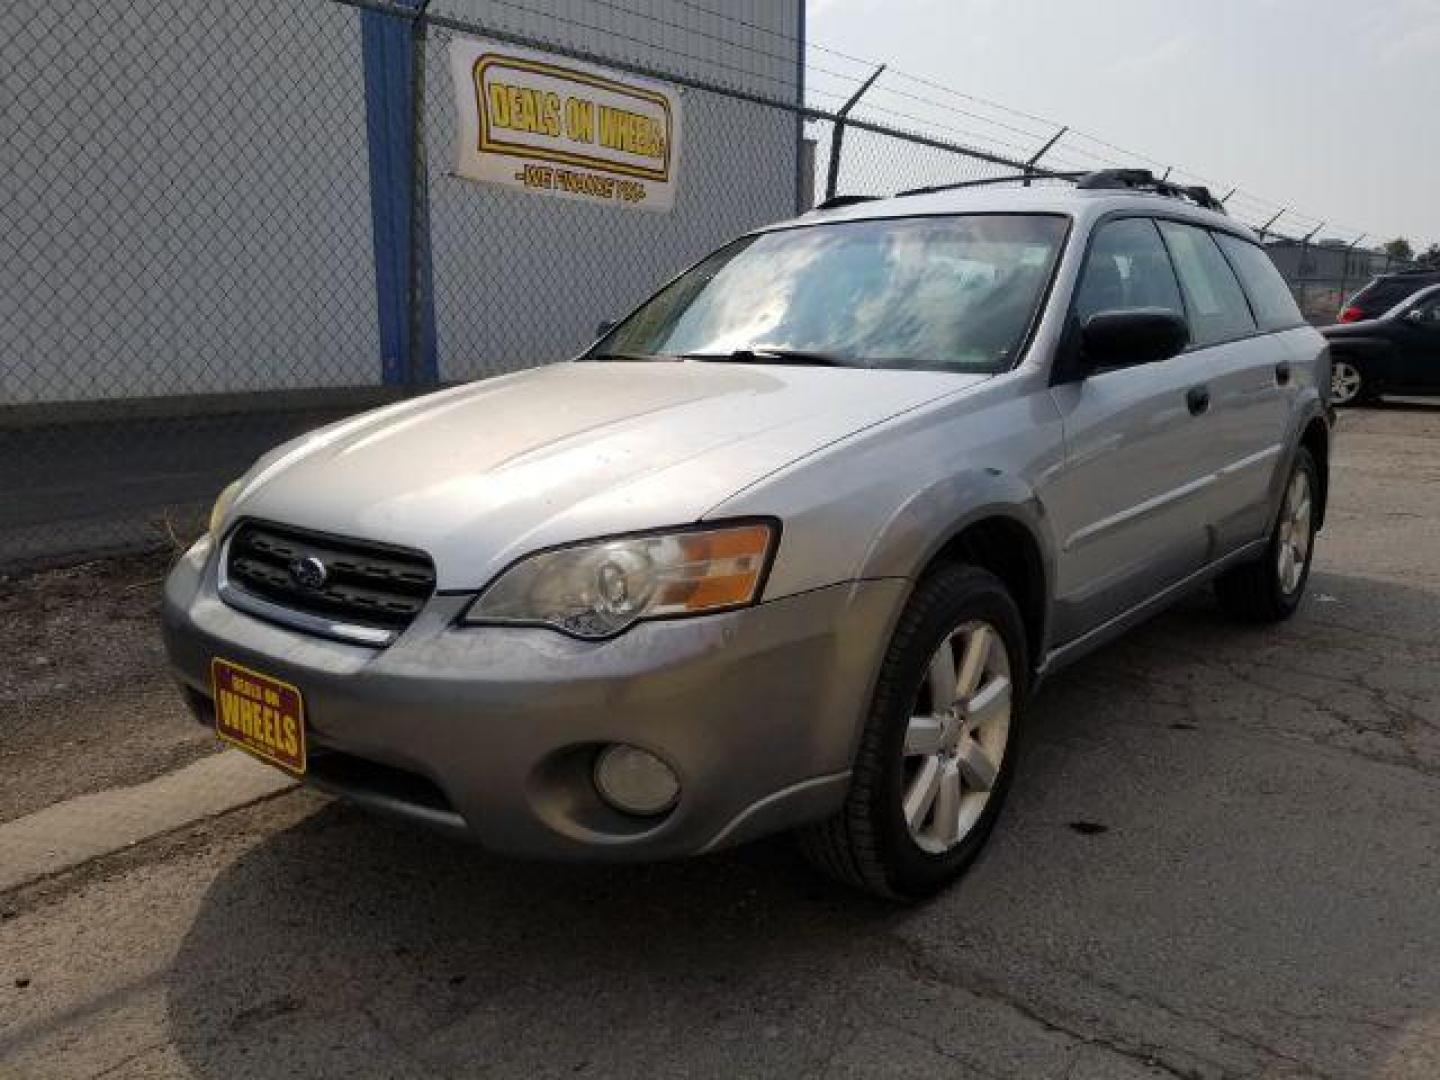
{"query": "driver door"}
(1129, 507)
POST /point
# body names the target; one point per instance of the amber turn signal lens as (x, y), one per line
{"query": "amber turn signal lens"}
(719, 568)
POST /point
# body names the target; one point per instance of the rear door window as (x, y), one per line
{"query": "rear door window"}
(1384, 295)
(1270, 297)
(1214, 302)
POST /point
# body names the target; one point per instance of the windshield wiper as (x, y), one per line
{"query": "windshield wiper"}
(631, 356)
(765, 355)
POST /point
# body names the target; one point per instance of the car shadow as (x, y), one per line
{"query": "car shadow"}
(356, 945)
(1165, 878)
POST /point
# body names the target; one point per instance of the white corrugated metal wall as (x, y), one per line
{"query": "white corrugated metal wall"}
(186, 205)
(184, 199)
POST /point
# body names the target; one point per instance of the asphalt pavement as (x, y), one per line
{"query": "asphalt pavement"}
(1221, 859)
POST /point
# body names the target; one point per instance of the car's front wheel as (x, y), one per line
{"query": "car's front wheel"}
(1347, 383)
(939, 746)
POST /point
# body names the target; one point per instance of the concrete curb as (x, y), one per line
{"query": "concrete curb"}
(78, 830)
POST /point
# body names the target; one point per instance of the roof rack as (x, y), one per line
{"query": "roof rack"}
(1010, 178)
(1145, 180)
(1103, 180)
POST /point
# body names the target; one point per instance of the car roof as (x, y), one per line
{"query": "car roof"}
(1083, 205)
(1405, 277)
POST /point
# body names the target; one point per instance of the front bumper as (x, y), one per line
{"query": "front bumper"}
(490, 732)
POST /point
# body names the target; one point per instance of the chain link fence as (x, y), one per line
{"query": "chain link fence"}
(223, 225)
(184, 235)
(1324, 275)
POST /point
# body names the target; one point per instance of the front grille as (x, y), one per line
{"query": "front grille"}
(369, 584)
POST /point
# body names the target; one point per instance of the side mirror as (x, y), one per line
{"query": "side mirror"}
(1116, 339)
(604, 327)
(1415, 315)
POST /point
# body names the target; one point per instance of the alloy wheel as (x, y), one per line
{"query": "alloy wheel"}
(1344, 382)
(956, 738)
(1293, 546)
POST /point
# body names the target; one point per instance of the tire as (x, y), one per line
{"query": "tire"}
(1264, 591)
(1348, 385)
(870, 843)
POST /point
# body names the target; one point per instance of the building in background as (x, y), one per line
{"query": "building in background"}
(211, 237)
(1323, 273)
(204, 197)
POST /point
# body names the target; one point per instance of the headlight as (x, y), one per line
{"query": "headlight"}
(596, 590)
(223, 502)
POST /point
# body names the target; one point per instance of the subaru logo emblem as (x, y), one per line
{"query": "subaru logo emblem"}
(309, 572)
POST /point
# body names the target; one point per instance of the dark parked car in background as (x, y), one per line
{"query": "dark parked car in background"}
(1398, 352)
(1383, 292)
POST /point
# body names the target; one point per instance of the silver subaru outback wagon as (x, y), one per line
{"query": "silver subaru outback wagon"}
(790, 547)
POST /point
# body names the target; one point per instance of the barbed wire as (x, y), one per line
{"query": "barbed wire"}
(1261, 207)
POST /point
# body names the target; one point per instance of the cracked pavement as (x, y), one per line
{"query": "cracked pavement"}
(1254, 892)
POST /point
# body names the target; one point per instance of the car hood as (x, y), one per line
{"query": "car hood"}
(481, 474)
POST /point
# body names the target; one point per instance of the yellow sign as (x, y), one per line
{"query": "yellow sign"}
(260, 714)
(563, 128)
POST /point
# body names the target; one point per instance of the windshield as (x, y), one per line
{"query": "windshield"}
(941, 293)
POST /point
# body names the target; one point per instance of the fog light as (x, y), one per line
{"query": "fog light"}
(635, 781)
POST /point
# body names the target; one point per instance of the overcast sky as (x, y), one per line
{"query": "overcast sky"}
(1332, 108)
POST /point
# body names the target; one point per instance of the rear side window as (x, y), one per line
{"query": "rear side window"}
(1384, 295)
(1430, 310)
(1213, 299)
(1127, 268)
(1270, 297)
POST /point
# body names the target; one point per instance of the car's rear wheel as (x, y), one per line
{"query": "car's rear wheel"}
(939, 745)
(1270, 588)
(1347, 384)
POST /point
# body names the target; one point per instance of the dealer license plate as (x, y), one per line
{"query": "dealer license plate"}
(260, 714)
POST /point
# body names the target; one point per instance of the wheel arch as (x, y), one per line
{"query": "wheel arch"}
(988, 517)
(1315, 438)
(1005, 545)
(1311, 431)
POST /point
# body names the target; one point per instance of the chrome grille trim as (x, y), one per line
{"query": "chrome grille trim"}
(377, 590)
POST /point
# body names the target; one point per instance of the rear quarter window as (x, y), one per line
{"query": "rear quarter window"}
(1270, 298)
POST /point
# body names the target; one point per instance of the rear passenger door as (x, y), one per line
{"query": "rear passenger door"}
(1286, 368)
(1249, 377)
(1129, 507)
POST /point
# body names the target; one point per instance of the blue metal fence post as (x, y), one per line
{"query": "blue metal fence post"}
(803, 198)
(392, 48)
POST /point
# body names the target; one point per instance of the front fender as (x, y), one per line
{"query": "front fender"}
(882, 504)
(909, 540)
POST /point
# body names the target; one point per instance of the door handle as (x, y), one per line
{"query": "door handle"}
(1197, 399)
(1282, 373)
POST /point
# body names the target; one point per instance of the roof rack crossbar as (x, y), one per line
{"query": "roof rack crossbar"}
(1144, 180)
(1101, 180)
